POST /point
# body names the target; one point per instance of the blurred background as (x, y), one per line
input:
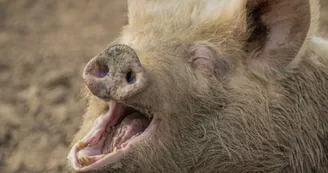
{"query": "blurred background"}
(44, 45)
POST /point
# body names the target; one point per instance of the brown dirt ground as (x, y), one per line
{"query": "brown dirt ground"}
(44, 45)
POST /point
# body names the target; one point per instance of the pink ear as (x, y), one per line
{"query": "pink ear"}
(278, 30)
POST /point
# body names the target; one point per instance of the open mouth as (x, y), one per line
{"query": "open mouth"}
(111, 137)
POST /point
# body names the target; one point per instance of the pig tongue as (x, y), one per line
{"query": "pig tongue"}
(131, 126)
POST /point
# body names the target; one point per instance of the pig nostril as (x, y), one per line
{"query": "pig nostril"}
(102, 71)
(130, 77)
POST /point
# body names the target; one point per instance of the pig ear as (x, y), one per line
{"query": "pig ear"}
(278, 30)
(205, 60)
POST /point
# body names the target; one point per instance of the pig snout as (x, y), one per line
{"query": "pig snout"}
(115, 73)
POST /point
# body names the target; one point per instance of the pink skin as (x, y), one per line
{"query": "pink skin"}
(128, 129)
(93, 138)
(101, 123)
(94, 156)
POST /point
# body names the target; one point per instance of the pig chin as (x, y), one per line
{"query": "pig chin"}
(111, 137)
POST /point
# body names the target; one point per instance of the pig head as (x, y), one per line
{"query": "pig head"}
(222, 86)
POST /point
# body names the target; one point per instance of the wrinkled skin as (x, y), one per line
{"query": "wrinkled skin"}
(232, 97)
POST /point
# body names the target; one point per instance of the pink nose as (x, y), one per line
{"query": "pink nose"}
(114, 73)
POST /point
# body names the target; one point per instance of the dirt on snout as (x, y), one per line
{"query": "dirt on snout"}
(44, 45)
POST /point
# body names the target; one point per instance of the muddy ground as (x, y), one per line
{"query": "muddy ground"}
(44, 45)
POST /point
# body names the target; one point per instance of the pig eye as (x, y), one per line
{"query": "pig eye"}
(130, 77)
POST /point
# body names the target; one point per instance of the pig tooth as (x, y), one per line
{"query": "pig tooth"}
(98, 157)
(81, 161)
(80, 145)
(84, 160)
(87, 160)
(114, 150)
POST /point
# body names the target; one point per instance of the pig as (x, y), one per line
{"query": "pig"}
(238, 86)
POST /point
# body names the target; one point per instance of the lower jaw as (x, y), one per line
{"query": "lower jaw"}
(114, 157)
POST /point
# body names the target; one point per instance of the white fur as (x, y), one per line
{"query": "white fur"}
(194, 11)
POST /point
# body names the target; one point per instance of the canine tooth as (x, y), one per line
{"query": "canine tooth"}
(114, 150)
(80, 145)
(81, 161)
(84, 160)
(96, 158)
(87, 160)
(92, 159)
